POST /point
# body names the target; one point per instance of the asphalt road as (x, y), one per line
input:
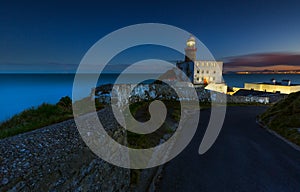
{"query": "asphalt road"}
(245, 157)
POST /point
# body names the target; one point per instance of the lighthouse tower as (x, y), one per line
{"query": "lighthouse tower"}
(190, 50)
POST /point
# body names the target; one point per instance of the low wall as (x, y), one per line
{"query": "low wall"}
(247, 99)
(55, 158)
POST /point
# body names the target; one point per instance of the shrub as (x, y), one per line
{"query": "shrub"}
(37, 117)
(284, 117)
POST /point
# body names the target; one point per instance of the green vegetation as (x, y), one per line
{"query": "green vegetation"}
(284, 118)
(37, 117)
(84, 106)
(135, 175)
(34, 118)
(140, 111)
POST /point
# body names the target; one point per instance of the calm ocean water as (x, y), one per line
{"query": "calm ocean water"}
(21, 91)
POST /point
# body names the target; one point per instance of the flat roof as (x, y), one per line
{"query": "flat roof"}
(277, 83)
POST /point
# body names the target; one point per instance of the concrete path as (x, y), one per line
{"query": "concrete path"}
(245, 157)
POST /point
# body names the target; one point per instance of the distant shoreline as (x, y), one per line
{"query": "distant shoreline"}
(264, 72)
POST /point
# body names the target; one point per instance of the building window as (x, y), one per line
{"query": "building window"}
(202, 71)
(198, 71)
(207, 71)
(197, 78)
(214, 72)
(202, 64)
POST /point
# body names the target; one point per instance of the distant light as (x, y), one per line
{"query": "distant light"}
(190, 43)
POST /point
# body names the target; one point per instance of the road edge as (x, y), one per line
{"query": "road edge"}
(293, 145)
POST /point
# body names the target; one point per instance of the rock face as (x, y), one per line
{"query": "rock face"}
(122, 94)
(55, 158)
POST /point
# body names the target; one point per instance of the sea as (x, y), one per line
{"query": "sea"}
(22, 91)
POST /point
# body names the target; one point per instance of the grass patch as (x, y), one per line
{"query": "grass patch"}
(140, 112)
(85, 105)
(37, 117)
(34, 118)
(134, 176)
(284, 117)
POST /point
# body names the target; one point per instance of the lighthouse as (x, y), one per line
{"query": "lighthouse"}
(200, 72)
(190, 50)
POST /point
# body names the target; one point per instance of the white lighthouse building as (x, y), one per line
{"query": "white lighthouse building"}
(201, 72)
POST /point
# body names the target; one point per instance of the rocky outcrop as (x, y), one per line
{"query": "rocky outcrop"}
(123, 94)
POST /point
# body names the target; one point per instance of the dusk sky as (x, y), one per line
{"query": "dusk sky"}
(54, 35)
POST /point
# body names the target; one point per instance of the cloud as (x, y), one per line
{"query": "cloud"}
(262, 60)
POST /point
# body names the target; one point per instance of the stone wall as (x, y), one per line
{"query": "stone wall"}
(247, 99)
(55, 158)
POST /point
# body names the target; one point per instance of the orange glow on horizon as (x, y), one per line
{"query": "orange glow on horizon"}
(271, 68)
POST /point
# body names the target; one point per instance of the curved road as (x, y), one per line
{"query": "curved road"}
(245, 157)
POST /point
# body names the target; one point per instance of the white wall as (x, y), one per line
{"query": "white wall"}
(211, 71)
